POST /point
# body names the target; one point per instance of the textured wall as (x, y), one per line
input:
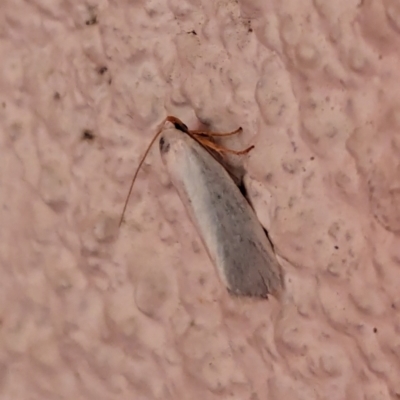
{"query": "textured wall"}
(90, 312)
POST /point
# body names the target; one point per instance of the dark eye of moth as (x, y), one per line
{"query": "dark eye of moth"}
(181, 127)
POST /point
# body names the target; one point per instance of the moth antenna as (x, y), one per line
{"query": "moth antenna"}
(138, 169)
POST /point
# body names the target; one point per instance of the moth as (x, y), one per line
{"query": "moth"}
(227, 225)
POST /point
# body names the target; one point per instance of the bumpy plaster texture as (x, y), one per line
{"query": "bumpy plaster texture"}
(92, 312)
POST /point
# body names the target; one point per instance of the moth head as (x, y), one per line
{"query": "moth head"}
(177, 123)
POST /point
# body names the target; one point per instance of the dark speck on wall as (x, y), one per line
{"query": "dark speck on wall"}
(87, 135)
(103, 70)
(91, 21)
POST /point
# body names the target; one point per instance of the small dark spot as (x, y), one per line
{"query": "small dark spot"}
(92, 21)
(103, 70)
(181, 127)
(56, 96)
(193, 32)
(87, 135)
(164, 146)
(250, 29)
(110, 81)
(312, 158)
(336, 247)
(375, 330)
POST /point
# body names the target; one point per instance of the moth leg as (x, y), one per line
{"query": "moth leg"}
(238, 153)
(215, 134)
(221, 149)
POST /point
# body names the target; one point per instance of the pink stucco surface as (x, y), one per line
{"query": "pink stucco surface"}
(88, 311)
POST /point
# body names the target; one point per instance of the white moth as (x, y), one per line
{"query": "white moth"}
(225, 221)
